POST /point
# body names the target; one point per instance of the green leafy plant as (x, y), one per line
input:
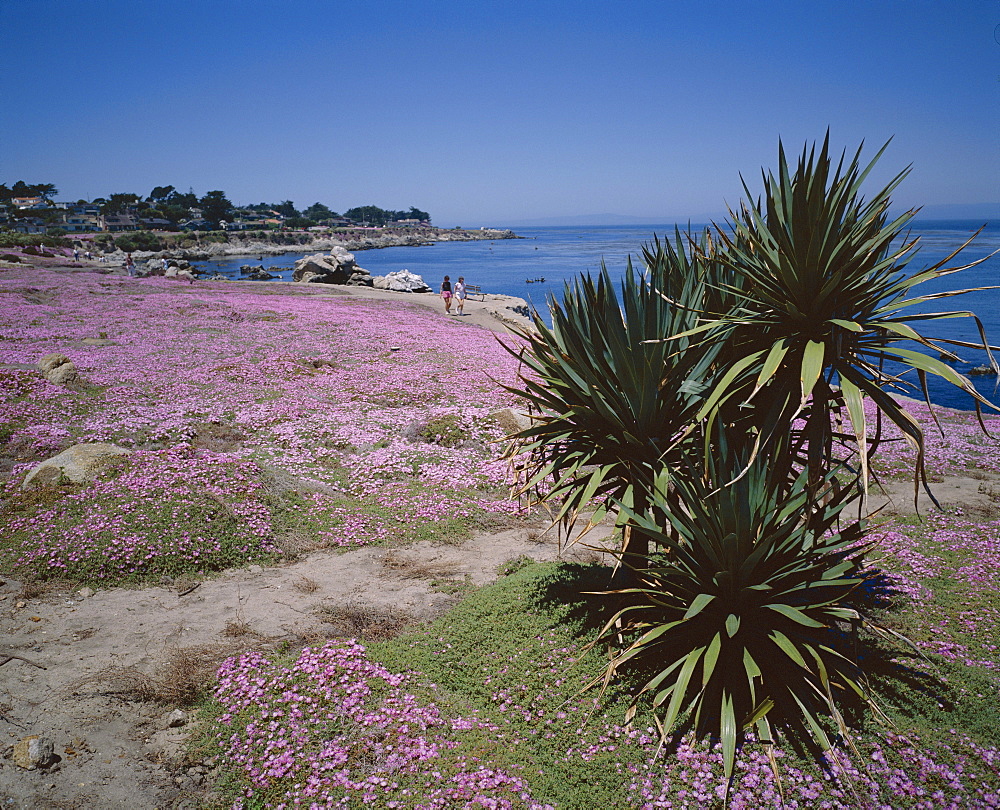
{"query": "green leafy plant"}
(823, 305)
(615, 403)
(706, 406)
(743, 621)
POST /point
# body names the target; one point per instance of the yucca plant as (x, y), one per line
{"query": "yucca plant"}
(744, 623)
(824, 305)
(615, 405)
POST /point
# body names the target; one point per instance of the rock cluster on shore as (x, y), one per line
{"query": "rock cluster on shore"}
(401, 281)
(350, 241)
(339, 267)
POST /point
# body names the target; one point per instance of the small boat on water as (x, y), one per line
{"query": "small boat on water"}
(534, 281)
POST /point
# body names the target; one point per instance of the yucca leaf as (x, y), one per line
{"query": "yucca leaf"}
(700, 602)
(727, 732)
(787, 647)
(680, 687)
(711, 658)
(795, 615)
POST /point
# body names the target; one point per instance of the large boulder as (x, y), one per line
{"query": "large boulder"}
(337, 267)
(80, 463)
(512, 420)
(509, 310)
(58, 368)
(401, 281)
(180, 274)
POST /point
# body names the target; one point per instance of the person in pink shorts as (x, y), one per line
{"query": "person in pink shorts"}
(446, 294)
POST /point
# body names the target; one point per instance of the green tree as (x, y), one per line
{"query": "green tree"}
(160, 193)
(286, 209)
(369, 214)
(119, 202)
(188, 200)
(21, 189)
(318, 211)
(215, 207)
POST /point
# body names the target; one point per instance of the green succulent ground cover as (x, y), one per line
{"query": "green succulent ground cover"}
(514, 656)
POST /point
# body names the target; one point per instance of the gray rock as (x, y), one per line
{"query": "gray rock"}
(176, 718)
(255, 569)
(510, 310)
(80, 463)
(339, 267)
(401, 281)
(58, 368)
(511, 420)
(34, 752)
(85, 592)
(360, 279)
(180, 274)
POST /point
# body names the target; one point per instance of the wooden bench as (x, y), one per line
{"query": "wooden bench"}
(475, 289)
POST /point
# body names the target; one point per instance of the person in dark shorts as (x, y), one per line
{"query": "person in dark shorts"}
(446, 294)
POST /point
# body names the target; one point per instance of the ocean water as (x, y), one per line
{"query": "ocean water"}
(559, 254)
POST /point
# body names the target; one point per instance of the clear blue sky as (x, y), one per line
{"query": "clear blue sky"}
(490, 113)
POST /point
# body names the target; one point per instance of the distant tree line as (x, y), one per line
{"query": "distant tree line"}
(172, 207)
(21, 189)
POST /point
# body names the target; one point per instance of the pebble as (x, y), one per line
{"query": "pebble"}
(85, 593)
(177, 718)
(34, 751)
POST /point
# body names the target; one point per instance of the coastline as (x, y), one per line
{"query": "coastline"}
(497, 312)
(352, 241)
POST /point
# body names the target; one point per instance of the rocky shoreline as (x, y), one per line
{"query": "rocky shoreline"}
(351, 241)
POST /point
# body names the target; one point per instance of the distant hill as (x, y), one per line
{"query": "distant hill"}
(583, 220)
(987, 212)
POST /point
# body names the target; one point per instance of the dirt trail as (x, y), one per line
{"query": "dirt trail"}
(116, 749)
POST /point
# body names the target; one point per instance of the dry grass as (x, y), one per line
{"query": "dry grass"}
(184, 676)
(365, 621)
(32, 590)
(409, 568)
(306, 585)
(237, 628)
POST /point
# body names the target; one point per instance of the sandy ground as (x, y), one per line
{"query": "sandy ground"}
(88, 689)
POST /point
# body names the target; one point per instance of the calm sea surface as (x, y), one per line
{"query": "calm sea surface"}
(557, 255)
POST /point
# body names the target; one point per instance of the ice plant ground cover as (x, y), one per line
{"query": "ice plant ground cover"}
(487, 712)
(264, 419)
(223, 393)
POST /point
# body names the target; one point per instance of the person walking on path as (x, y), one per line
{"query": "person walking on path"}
(129, 264)
(460, 295)
(446, 294)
